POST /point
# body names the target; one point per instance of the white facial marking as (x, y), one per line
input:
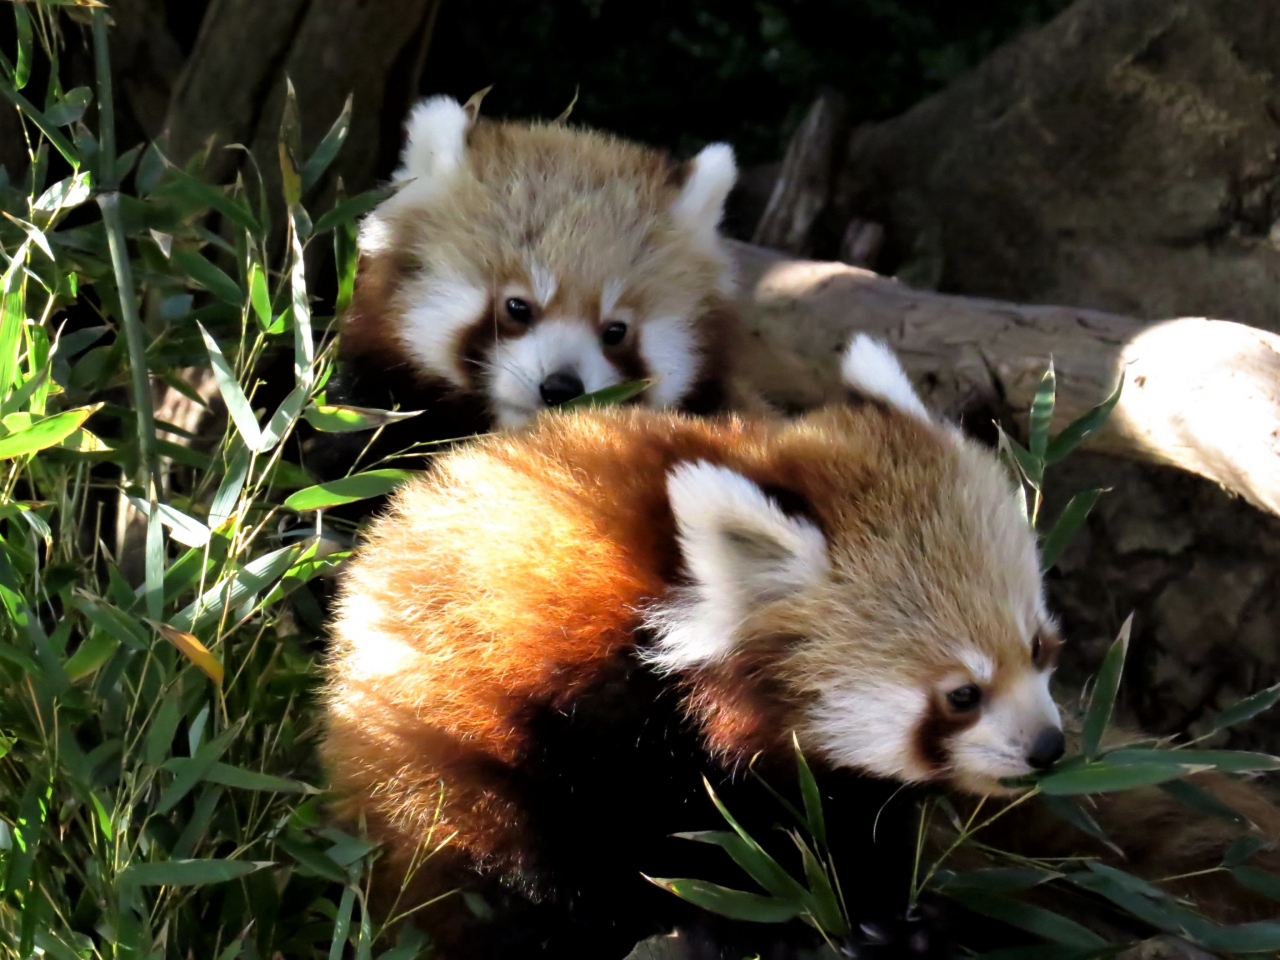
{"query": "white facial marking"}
(701, 201)
(671, 354)
(998, 744)
(609, 297)
(980, 666)
(870, 727)
(544, 283)
(740, 551)
(518, 366)
(440, 306)
(870, 367)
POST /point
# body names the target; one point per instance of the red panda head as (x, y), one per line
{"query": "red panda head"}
(535, 263)
(901, 605)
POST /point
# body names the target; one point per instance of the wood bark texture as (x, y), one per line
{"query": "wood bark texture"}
(1200, 394)
(1123, 157)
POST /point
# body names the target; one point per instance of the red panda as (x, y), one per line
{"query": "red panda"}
(519, 266)
(551, 638)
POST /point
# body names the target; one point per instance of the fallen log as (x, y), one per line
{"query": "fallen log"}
(1200, 394)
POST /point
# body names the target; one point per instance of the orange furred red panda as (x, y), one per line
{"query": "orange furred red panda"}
(519, 266)
(551, 638)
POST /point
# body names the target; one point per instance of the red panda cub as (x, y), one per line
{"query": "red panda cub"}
(551, 638)
(519, 266)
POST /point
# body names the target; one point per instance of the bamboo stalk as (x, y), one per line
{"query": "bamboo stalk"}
(109, 203)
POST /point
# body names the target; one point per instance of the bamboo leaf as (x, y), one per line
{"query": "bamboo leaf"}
(1041, 418)
(1246, 709)
(193, 650)
(1259, 881)
(70, 107)
(1233, 761)
(190, 774)
(93, 652)
(237, 403)
(1065, 528)
(259, 296)
(734, 904)
(1201, 801)
(351, 210)
(188, 531)
(187, 873)
(45, 433)
(252, 578)
(332, 418)
(1105, 778)
(809, 793)
(48, 128)
(608, 397)
(1080, 429)
(1033, 919)
(327, 149)
(360, 486)
(206, 275)
(1105, 689)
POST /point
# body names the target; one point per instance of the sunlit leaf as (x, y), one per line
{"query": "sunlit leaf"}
(332, 418)
(188, 531)
(45, 433)
(65, 194)
(193, 650)
(360, 486)
(237, 403)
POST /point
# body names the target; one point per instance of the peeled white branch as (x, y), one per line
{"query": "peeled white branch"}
(1200, 394)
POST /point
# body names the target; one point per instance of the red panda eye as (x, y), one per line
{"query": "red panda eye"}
(613, 334)
(519, 310)
(966, 698)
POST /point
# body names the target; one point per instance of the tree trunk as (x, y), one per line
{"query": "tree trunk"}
(1123, 157)
(1202, 395)
(232, 87)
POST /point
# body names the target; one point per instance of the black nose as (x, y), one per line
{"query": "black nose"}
(1048, 747)
(560, 388)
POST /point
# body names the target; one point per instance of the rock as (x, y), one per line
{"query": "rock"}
(1164, 948)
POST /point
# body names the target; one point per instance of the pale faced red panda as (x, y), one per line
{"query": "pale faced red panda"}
(519, 266)
(562, 629)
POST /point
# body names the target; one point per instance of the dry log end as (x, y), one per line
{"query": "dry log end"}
(1202, 395)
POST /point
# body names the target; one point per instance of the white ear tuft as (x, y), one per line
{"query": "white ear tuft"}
(870, 367)
(701, 201)
(740, 550)
(436, 140)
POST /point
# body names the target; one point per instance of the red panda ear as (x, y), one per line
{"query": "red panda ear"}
(869, 367)
(700, 204)
(740, 551)
(435, 142)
